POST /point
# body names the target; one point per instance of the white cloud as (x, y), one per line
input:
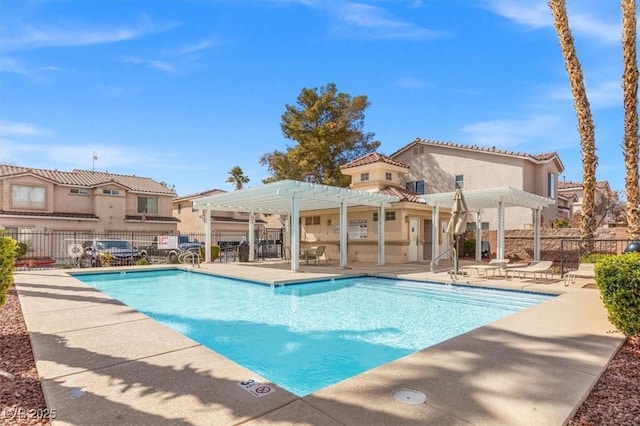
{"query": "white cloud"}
(411, 83)
(31, 37)
(21, 129)
(155, 64)
(509, 134)
(537, 14)
(196, 47)
(361, 20)
(601, 94)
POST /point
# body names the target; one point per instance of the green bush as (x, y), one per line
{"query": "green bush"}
(21, 250)
(8, 255)
(215, 252)
(469, 248)
(143, 261)
(618, 278)
(595, 257)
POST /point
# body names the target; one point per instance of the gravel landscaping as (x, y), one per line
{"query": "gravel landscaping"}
(615, 399)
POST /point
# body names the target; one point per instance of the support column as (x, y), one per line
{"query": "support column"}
(381, 235)
(252, 237)
(343, 234)
(536, 235)
(500, 243)
(207, 235)
(295, 233)
(435, 235)
(478, 237)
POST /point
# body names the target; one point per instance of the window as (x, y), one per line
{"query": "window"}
(79, 191)
(312, 220)
(416, 186)
(551, 185)
(179, 208)
(148, 205)
(387, 216)
(29, 197)
(364, 176)
(459, 182)
(22, 235)
(111, 192)
(388, 176)
(484, 226)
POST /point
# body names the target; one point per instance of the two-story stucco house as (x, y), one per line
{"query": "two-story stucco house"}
(436, 167)
(226, 226)
(40, 200)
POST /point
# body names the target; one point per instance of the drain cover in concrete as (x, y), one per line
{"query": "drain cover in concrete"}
(409, 396)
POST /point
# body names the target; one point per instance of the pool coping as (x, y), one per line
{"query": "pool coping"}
(102, 362)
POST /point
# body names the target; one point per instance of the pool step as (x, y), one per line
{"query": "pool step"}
(479, 297)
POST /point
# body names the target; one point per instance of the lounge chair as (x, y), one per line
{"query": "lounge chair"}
(535, 268)
(585, 270)
(494, 265)
(314, 253)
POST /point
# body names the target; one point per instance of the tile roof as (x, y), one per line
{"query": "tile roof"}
(199, 194)
(371, 158)
(544, 157)
(89, 179)
(403, 194)
(566, 185)
(53, 214)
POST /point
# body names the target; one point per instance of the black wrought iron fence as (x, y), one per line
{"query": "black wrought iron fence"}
(63, 249)
(572, 250)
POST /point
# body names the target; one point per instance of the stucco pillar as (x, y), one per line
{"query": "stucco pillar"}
(381, 235)
(207, 234)
(295, 233)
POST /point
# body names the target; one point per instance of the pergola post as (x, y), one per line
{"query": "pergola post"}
(478, 237)
(343, 234)
(295, 233)
(435, 234)
(500, 248)
(536, 235)
(381, 235)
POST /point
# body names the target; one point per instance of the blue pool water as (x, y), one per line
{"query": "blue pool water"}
(309, 336)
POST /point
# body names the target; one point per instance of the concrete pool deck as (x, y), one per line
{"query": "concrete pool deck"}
(101, 362)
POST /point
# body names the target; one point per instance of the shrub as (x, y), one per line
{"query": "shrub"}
(21, 249)
(618, 278)
(595, 257)
(143, 261)
(215, 252)
(469, 248)
(8, 254)
(105, 259)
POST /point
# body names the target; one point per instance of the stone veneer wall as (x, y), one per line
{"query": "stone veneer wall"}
(519, 242)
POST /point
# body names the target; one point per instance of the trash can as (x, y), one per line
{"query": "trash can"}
(243, 251)
(632, 246)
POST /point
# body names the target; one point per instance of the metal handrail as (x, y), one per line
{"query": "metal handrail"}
(190, 255)
(455, 258)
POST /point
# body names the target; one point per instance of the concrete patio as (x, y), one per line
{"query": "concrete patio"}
(101, 362)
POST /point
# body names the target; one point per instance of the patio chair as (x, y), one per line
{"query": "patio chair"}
(494, 265)
(585, 270)
(534, 268)
(313, 253)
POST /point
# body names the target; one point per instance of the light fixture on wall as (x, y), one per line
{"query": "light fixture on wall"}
(328, 222)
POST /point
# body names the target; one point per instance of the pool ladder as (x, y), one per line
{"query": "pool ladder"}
(190, 257)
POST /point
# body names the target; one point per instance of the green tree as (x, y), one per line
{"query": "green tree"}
(328, 128)
(237, 177)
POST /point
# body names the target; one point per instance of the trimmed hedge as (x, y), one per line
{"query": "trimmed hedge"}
(8, 254)
(215, 252)
(618, 278)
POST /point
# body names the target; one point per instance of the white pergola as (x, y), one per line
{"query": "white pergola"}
(490, 198)
(290, 197)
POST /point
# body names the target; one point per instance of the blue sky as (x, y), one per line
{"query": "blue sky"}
(182, 91)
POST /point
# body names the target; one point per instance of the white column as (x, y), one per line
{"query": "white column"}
(478, 237)
(295, 233)
(252, 237)
(435, 235)
(343, 234)
(381, 235)
(500, 243)
(536, 234)
(207, 234)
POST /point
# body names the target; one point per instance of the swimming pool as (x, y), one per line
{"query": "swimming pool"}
(309, 336)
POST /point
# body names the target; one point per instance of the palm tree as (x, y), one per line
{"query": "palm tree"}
(583, 112)
(630, 89)
(237, 177)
